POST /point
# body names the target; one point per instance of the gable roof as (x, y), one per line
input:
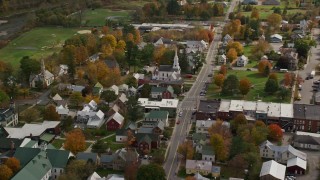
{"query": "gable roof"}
(57, 97)
(157, 114)
(86, 156)
(111, 64)
(271, 2)
(297, 162)
(58, 158)
(207, 150)
(157, 89)
(123, 98)
(278, 36)
(117, 117)
(166, 68)
(5, 143)
(128, 155)
(274, 169)
(35, 169)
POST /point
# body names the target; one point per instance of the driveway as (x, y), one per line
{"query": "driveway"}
(307, 90)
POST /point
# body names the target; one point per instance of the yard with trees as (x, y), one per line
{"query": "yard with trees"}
(230, 88)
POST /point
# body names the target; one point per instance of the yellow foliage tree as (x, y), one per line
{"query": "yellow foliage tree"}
(186, 150)
(13, 163)
(237, 46)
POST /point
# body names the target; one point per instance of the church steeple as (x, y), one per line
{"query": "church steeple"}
(176, 65)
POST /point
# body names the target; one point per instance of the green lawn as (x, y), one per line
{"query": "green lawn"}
(266, 10)
(255, 94)
(112, 144)
(35, 43)
(98, 17)
(57, 143)
(105, 172)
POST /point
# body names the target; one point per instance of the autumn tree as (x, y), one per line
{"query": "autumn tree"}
(186, 150)
(223, 70)
(51, 114)
(219, 147)
(232, 55)
(275, 132)
(76, 99)
(260, 49)
(78, 169)
(75, 141)
(239, 120)
(244, 86)
(234, 27)
(5, 172)
(262, 66)
(130, 171)
(121, 45)
(255, 13)
(274, 21)
(271, 86)
(287, 79)
(109, 39)
(237, 46)
(274, 76)
(238, 162)
(218, 80)
(13, 163)
(151, 172)
(81, 55)
(130, 37)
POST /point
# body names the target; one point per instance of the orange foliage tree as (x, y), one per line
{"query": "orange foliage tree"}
(237, 46)
(287, 79)
(262, 66)
(273, 76)
(275, 132)
(223, 70)
(13, 163)
(244, 86)
(218, 80)
(75, 141)
(5, 172)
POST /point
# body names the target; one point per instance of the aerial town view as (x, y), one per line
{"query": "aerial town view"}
(159, 90)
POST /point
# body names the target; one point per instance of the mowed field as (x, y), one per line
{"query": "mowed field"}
(256, 93)
(37, 43)
(97, 17)
(266, 10)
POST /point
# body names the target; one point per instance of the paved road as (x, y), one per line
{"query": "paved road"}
(189, 103)
(307, 90)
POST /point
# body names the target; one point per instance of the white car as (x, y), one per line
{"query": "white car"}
(180, 113)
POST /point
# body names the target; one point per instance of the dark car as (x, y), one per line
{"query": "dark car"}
(210, 75)
(248, 69)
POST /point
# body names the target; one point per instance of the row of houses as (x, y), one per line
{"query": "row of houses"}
(303, 117)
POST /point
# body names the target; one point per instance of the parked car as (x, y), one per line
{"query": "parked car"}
(188, 76)
(180, 113)
(178, 122)
(210, 75)
(299, 86)
(248, 69)
(316, 82)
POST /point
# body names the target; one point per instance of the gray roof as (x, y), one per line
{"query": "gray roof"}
(208, 106)
(157, 89)
(167, 68)
(86, 156)
(271, 2)
(106, 158)
(306, 111)
(111, 63)
(145, 130)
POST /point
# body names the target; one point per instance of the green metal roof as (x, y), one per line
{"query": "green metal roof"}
(58, 158)
(199, 136)
(36, 169)
(47, 137)
(157, 114)
(24, 155)
(207, 150)
(50, 146)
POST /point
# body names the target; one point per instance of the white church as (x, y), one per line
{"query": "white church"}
(168, 72)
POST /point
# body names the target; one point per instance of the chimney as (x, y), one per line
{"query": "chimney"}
(12, 145)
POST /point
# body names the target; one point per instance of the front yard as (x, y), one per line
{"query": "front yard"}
(112, 144)
(256, 93)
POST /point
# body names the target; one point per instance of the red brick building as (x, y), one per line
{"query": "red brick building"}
(115, 122)
(306, 117)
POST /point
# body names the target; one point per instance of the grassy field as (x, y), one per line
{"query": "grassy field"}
(35, 43)
(266, 10)
(98, 17)
(57, 143)
(247, 52)
(112, 144)
(256, 93)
